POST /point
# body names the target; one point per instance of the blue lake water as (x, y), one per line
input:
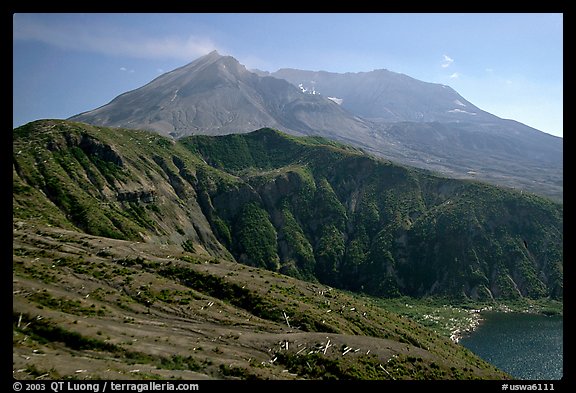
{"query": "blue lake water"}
(526, 346)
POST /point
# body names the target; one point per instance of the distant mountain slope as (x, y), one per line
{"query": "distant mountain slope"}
(216, 95)
(387, 96)
(307, 207)
(506, 153)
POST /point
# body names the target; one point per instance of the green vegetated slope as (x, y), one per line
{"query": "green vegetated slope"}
(306, 207)
(322, 210)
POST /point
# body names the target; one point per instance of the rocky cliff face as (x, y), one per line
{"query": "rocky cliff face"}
(307, 207)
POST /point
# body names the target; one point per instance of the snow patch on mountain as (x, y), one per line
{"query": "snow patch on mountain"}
(175, 95)
(336, 100)
(461, 111)
(311, 90)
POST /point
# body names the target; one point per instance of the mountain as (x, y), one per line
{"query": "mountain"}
(430, 125)
(216, 95)
(307, 207)
(383, 95)
(385, 113)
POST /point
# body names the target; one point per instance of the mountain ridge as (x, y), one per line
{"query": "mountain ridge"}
(216, 95)
(386, 89)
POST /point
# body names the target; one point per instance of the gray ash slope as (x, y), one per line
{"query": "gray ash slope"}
(392, 115)
(383, 95)
(216, 95)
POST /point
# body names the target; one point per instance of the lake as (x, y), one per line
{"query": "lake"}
(526, 346)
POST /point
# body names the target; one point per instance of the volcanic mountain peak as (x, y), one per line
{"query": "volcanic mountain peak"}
(209, 71)
(227, 65)
(217, 95)
(417, 123)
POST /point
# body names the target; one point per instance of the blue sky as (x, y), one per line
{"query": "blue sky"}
(508, 64)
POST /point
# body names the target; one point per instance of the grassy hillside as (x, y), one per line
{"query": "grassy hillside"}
(307, 207)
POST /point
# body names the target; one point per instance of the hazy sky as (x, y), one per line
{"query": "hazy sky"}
(508, 64)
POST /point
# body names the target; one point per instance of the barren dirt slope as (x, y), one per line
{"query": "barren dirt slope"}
(88, 307)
